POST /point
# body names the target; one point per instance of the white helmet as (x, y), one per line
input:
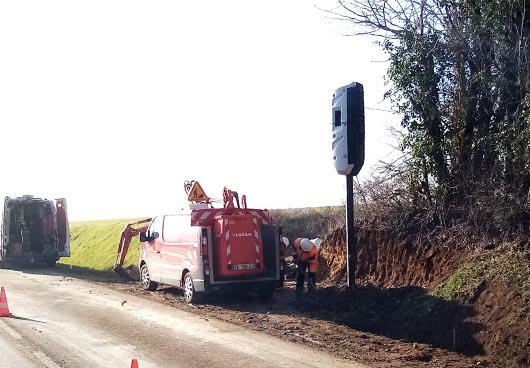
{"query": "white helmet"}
(317, 242)
(305, 244)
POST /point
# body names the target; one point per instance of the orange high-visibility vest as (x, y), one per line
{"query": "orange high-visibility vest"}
(310, 257)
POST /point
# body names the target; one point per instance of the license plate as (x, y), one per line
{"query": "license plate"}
(243, 266)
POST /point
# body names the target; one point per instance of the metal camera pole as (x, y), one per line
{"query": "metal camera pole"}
(351, 238)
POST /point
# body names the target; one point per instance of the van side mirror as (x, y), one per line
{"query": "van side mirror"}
(146, 237)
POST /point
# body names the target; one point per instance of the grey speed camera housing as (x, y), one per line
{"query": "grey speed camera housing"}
(348, 129)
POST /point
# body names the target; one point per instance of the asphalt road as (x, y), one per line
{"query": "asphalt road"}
(62, 321)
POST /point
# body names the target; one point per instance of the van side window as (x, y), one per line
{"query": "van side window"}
(175, 226)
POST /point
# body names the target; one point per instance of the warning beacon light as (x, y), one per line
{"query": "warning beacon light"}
(348, 129)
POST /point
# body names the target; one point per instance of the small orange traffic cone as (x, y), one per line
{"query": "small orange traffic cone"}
(4, 309)
(134, 363)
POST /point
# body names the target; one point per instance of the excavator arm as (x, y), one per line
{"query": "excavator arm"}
(130, 231)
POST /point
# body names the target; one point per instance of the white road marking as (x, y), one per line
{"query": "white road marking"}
(10, 331)
(44, 359)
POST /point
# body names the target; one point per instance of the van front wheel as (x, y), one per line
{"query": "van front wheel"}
(190, 295)
(145, 278)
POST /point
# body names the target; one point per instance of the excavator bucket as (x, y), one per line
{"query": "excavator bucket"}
(128, 273)
(120, 272)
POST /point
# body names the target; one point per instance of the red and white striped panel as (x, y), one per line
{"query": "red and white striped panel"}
(257, 239)
(263, 215)
(227, 238)
(204, 217)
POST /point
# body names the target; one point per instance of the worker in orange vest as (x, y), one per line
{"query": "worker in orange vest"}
(307, 261)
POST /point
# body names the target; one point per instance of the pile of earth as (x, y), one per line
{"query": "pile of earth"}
(395, 278)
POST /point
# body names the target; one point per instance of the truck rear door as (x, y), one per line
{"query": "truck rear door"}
(63, 229)
(237, 247)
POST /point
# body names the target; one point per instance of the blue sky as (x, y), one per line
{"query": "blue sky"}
(113, 104)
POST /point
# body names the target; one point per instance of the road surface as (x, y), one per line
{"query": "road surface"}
(62, 321)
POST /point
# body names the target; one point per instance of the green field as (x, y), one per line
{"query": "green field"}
(94, 244)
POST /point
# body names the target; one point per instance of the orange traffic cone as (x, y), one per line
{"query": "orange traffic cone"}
(134, 363)
(4, 309)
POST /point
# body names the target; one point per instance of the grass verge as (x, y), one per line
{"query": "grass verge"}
(509, 268)
(94, 244)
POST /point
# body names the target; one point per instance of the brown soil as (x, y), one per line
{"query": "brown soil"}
(496, 322)
(384, 261)
(343, 323)
(505, 325)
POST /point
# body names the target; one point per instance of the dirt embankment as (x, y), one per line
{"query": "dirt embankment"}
(394, 300)
(385, 261)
